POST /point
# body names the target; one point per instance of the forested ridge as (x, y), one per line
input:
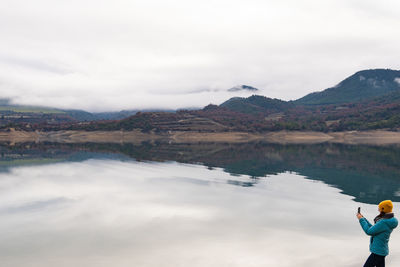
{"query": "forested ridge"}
(366, 100)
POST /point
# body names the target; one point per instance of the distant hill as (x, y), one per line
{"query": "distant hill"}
(256, 104)
(369, 99)
(360, 86)
(10, 113)
(379, 108)
(81, 115)
(15, 114)
(243, 88)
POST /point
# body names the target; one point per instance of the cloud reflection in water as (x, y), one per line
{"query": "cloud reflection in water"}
(110, 213)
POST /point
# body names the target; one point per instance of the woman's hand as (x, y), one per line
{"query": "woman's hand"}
(359, 215)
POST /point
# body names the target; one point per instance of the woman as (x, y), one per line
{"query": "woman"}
(385, 222)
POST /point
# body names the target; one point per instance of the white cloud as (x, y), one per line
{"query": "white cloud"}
(104, 55)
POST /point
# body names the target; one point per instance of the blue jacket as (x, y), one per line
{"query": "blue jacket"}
(380, 233)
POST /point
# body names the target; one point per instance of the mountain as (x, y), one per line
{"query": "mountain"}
(16, 114)
(242, 88)
(379, 109)
(11, 114)
(369, 99)
(82, 115)
(256, 104)
(360, 86)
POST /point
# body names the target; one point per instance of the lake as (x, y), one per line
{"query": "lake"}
(257, 204)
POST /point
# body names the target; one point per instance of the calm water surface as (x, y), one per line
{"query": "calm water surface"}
(217, 205)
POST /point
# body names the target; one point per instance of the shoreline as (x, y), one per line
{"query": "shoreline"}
(376, 137)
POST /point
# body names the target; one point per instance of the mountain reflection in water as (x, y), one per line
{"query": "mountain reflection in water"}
(368, 173)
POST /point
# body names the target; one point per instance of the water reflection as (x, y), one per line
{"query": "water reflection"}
(99, 213)
(91, 205)
(368, 173)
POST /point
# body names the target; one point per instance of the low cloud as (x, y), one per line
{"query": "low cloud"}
(144, 54)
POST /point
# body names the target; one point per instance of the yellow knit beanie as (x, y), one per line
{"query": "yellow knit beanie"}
(386, 206)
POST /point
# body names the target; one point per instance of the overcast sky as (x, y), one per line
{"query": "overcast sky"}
(126, 54)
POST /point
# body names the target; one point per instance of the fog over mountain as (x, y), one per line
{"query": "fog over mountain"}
(114, 55)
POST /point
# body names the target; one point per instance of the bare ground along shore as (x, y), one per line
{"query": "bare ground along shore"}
(379, 137)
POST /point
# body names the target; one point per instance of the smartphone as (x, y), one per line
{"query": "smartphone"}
(359, 209)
